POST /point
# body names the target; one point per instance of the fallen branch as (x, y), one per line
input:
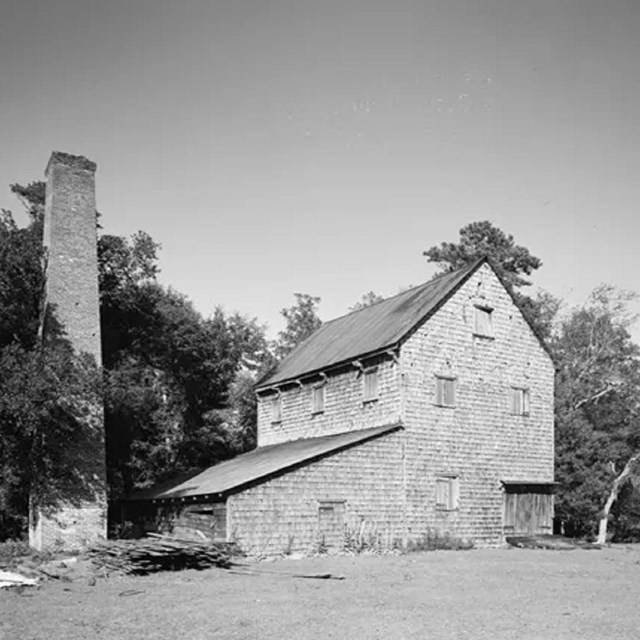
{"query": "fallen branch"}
(283, 574)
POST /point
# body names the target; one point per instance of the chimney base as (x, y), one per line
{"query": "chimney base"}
(69, 528)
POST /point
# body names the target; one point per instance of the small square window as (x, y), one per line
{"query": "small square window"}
(446, 392)
(276, 409)
(483, 322)
(370, 384)
(447, 493)
(519, 401)
(317, 398)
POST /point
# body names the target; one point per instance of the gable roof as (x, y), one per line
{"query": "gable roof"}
(260, 464)
(370, 330)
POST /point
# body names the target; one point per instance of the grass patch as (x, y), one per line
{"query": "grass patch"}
(499, 594)
(435, 540)
(16, 552)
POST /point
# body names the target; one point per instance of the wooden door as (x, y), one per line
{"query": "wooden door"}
(528, 509)
(331, 524)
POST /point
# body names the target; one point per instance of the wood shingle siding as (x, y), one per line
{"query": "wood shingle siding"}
(459, 368)
(206, 520)
(282, 514)
(480, 440)
(344, 409)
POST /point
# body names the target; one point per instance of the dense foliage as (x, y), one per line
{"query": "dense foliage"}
(169, 372)
(597, 413)
(301, 321)
(46, 390)
(480, 239)
(178, 388)
(512, 262)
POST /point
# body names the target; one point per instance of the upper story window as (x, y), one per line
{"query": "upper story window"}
(276, 409)
(445, 392)
(370, 384)
(447, 493)
(519, 401)
(483, 322)
(317, 398)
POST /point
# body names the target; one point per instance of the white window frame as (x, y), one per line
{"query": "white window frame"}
(483, 321)
(441, 395)
(520, 401)
(447, 493)
(318, 391)
(370, 393)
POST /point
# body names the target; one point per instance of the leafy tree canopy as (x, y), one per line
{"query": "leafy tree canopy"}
(177, 387)
(21, 281)
(169, 376)
(366, 300)
(32, 197)
(302, 320)
(597, 408)
(511, 261)
(479, 239)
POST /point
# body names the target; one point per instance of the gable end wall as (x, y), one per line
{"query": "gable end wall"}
(479, 441)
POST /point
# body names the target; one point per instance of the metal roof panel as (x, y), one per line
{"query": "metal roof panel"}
(259, 464)
(374, 328)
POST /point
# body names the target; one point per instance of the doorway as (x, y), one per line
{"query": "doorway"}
(528, 508)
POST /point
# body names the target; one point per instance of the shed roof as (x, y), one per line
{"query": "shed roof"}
(372, 329)
(260, 464)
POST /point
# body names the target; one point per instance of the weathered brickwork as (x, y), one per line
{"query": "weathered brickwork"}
(70, 238)
(282, 514)
(71, 527)
(344, 408)
(79, 516)
(478, 440)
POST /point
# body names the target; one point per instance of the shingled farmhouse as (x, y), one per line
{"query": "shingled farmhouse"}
(429, 411)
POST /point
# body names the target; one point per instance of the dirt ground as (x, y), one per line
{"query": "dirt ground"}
(496, 594)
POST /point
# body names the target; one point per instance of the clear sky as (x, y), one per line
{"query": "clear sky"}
(287, 146)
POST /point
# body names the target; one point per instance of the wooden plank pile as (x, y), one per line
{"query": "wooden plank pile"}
(548, 541)
(160, 553)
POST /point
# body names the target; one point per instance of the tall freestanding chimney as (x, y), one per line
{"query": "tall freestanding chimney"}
(70, 239)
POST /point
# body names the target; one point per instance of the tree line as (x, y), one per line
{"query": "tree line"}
(178, 387)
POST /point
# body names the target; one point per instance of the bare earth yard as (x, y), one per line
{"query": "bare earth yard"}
(496, 594)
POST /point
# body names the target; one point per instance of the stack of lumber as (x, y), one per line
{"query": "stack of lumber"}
(547, 541)
(161, 553)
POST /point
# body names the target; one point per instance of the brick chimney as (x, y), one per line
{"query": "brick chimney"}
(70, 240)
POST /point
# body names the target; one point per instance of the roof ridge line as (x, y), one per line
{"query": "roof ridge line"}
(436, 291)
(400, 293)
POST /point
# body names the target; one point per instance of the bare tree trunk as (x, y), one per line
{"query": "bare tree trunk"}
(613, 495)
